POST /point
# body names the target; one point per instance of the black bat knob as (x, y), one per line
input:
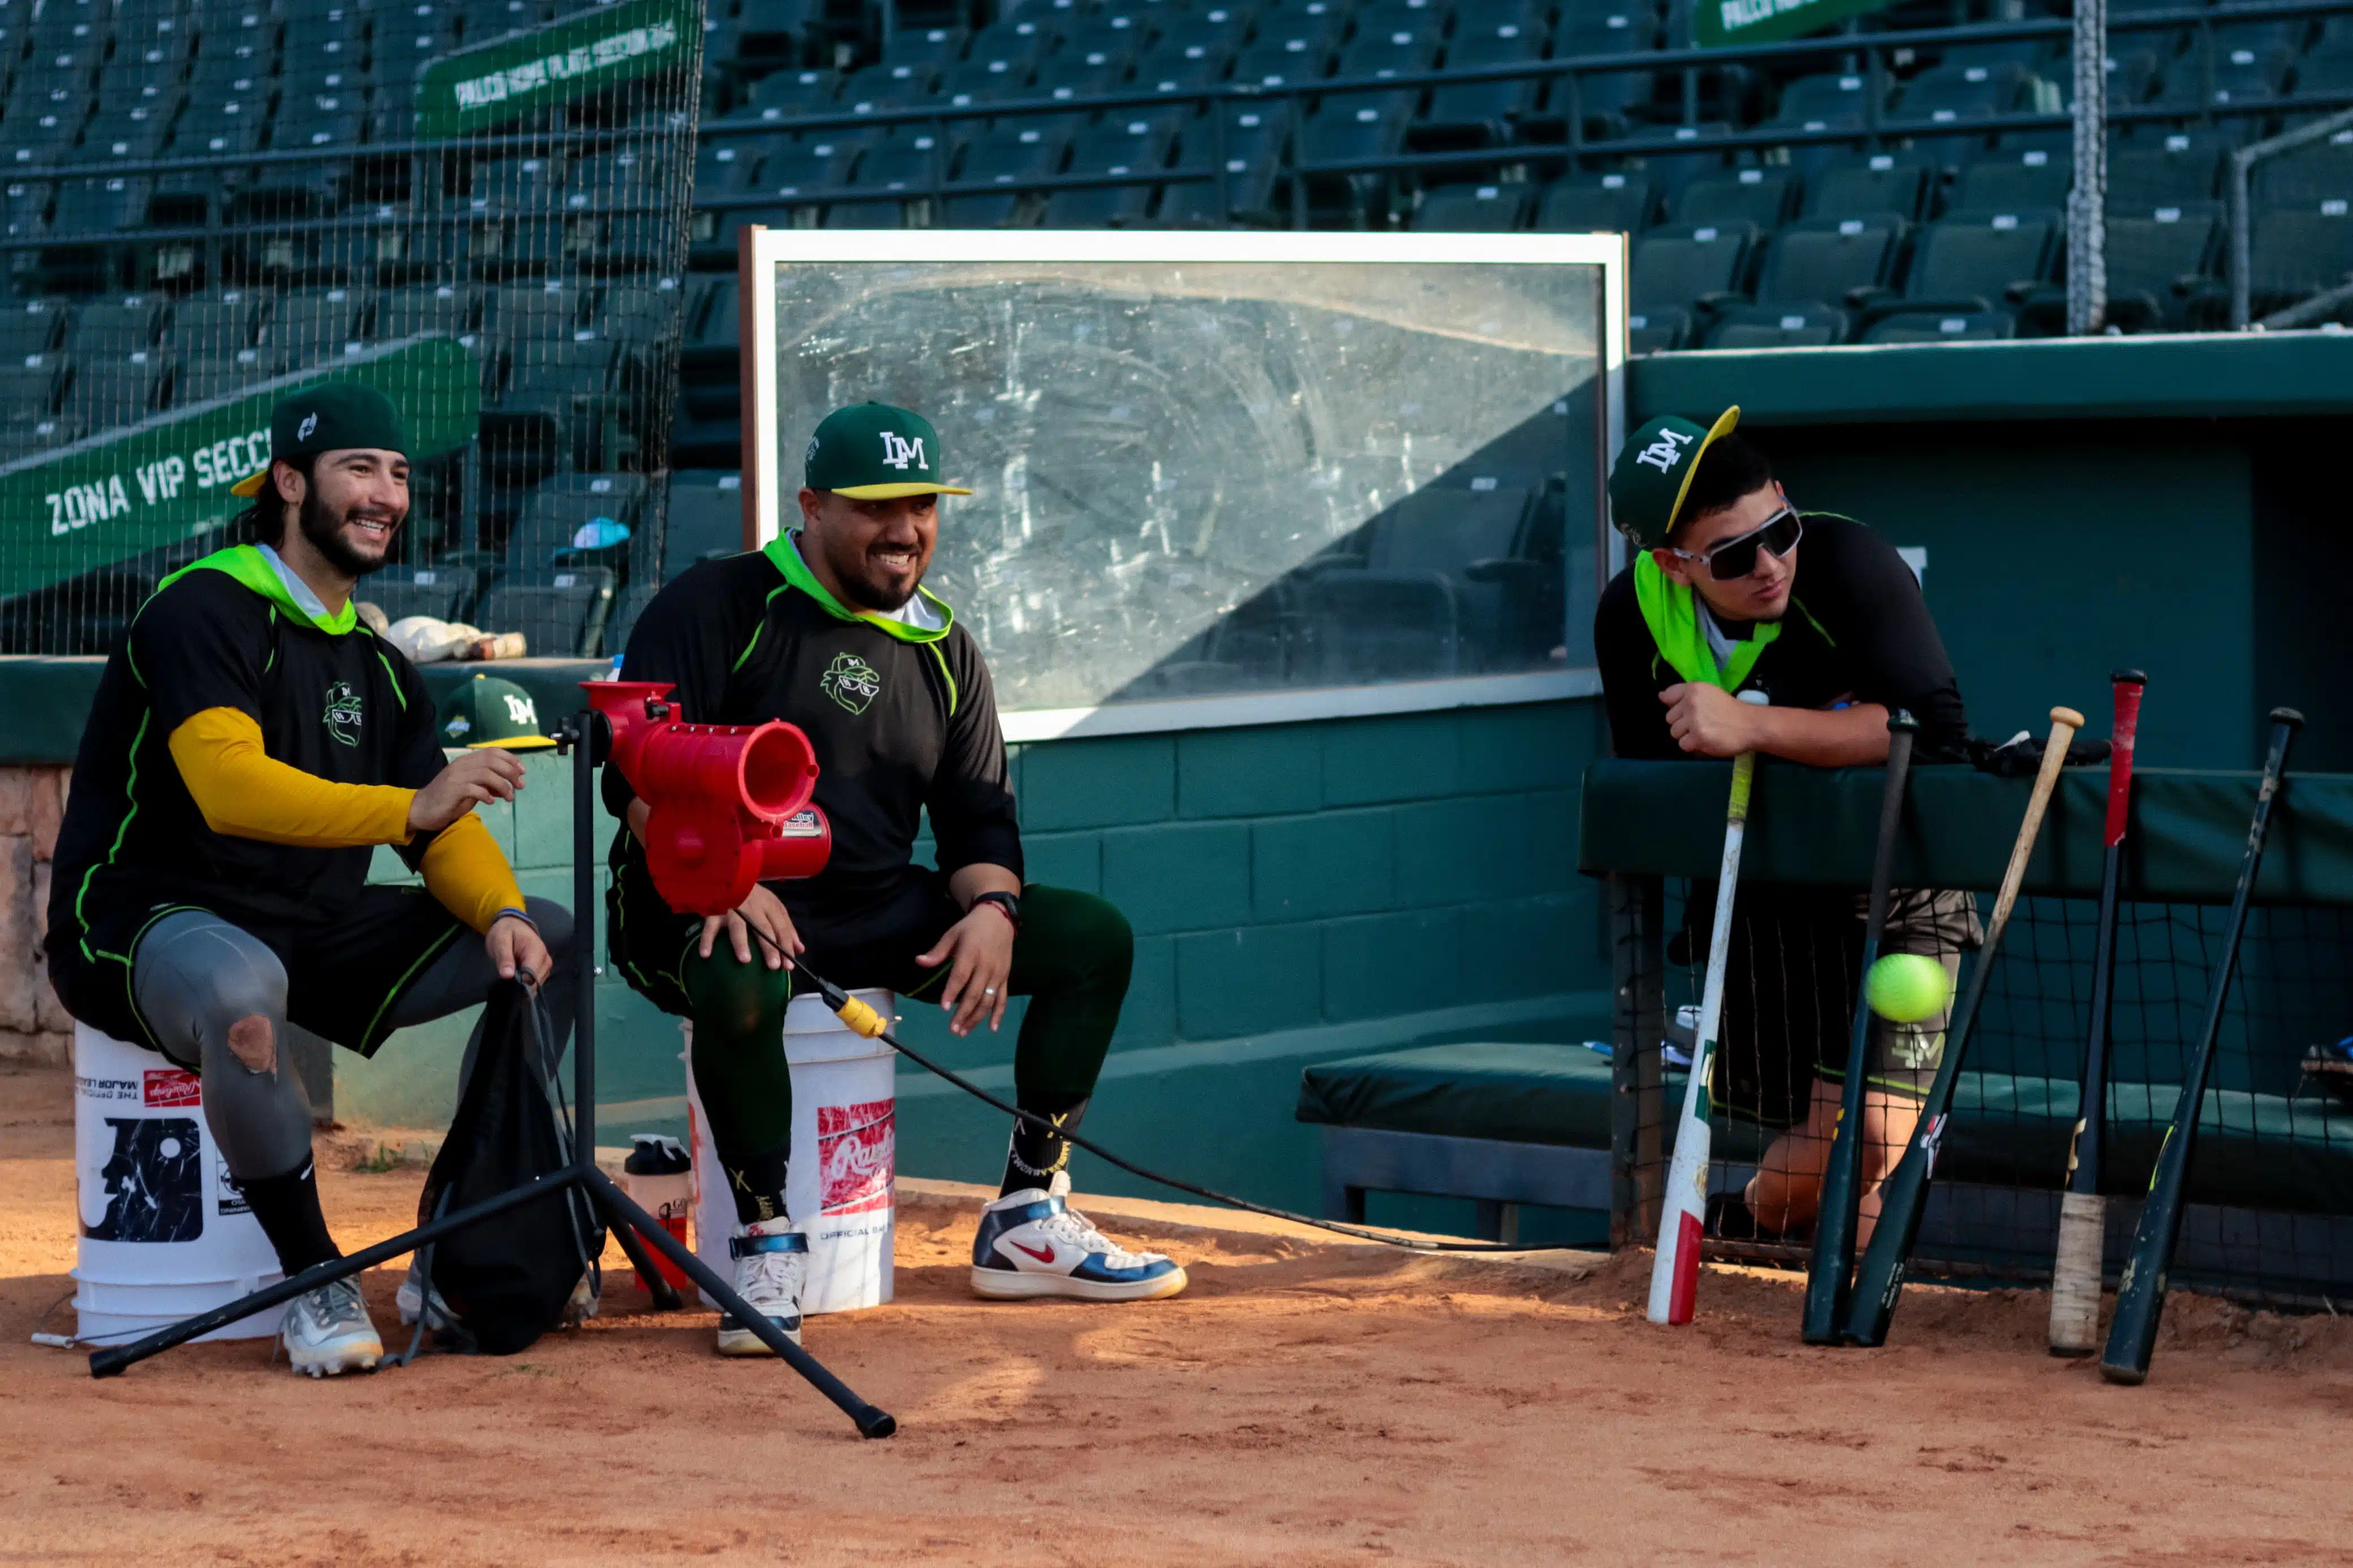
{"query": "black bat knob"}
(2287, 716)
(2127, 678)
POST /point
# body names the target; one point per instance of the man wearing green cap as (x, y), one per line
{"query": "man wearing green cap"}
(251, 742)
(829, 628)
(1722, 596)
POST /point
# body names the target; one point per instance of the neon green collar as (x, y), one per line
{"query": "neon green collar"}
(787, 559)
(1672, 612)
(251, 567)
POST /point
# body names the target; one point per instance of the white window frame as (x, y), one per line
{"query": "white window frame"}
(760, 250)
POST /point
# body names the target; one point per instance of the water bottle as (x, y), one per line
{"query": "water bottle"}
(660, 1178)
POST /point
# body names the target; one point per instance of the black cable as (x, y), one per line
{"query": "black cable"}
(836, 999)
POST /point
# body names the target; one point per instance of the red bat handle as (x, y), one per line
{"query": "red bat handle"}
(2128, 685)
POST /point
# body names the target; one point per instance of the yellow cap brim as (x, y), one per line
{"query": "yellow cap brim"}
(893, 492)
(515, 743)
(1722, 427)
(249, 486)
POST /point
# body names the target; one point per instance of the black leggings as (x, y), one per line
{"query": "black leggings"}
(1071, 959)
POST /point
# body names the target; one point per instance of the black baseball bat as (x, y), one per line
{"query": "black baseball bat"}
(1834, 1221)
(2076, 1267)
(2140, 1294)
(1903, 1196)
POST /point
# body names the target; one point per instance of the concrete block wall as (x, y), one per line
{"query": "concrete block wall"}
(34, 1026)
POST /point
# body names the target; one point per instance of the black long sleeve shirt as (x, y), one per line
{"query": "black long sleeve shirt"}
(901, 721)
(1856, 630)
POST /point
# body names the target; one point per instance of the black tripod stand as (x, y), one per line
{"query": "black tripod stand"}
(587, 739)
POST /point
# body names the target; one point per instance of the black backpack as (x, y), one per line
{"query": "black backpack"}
(495, 1286)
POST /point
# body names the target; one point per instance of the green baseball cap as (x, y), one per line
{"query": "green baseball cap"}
(871, 451)
(1653, 473)
(333, 417)
(488, 711)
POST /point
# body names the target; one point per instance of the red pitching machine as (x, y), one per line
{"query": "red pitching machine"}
(729, 803)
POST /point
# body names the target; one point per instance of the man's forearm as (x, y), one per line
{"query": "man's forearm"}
(1838, 738)
(969, 882)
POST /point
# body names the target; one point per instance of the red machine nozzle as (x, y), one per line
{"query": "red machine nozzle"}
(728, 804)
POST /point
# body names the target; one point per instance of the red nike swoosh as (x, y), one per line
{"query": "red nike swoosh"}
(1045, 1257)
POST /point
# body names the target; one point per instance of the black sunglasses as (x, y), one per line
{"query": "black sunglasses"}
(1737, 558)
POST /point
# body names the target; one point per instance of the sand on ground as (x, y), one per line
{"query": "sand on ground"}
(1305, 1402)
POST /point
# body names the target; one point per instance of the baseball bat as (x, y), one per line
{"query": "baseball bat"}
(2083, 1211)
(2140, 1293)
(1674, 1271)
(1827, 1276)
(1904, 1195)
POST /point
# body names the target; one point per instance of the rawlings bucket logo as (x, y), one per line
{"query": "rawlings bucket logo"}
(856, 1149)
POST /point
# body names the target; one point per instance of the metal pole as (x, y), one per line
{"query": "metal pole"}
(2242, 285)
(586, 729)
(2087, 202)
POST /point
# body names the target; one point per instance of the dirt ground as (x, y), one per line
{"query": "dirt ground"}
(1303, 1402)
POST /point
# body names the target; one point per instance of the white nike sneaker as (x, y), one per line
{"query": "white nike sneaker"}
(1032, 1243)
(415, 1300)
(770, 1267)
(327, 1331)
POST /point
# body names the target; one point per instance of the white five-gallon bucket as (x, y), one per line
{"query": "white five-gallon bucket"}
(165, 1233)
(843, 1158)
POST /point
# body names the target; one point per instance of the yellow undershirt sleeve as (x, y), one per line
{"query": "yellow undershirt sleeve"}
(244, 792)
(466, 870)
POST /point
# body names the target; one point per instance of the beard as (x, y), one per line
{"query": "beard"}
(864, 585)
(323, 526)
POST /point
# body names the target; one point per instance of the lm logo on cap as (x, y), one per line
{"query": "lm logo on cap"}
(1665, 452)
(898, 451)
(309, 423)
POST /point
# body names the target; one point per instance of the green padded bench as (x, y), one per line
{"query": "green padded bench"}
(1506, 1123)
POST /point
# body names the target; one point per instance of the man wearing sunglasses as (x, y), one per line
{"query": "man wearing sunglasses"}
(1732, 589)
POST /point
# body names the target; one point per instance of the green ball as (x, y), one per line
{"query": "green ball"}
(1905, 988)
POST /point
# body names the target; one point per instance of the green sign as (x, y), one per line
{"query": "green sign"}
(165, 479)
(514, 75)
(1717, 23)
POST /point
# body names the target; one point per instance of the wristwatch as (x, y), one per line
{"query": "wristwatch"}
(1010, 902)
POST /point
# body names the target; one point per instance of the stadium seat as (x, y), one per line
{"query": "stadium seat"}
(216, 324)
(1483, 112)
(1830, 261)
(447, 309)
(1778, 326)
(1953, 94)
(985, 81)
(2309, 174)
(549, 312)
(1351, 125)
(1394, 51)
(705, 522)
(561, 614)
(1834, 101)
(31, 385)
(782, 95)
(202, 379)
(2241, 75)
(1684, 265)
(1590, 204)
(313, 326)
(551, 377)
(1411, 604)
(778, 30)
(724, 168)
(887, 87)
(117, 390)
(1254, 135)
(1657, 331)
(2008, 182)
(29, 328)
(1139, 147)
(1183, 67)
(2161, 267)
(2171, 168)
(550, 526)
(1697, 152)
(891, 181)
(1604, 99)
(1473, 209)
(924, 46)
(1004, 155)
(1759, 196)
(108, 327)
(1896, 182)
(640, 314)
(1970, 263)
(213, 127)
(1930, 327)
(444, 592)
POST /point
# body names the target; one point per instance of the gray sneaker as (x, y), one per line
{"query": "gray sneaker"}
(327, 1331)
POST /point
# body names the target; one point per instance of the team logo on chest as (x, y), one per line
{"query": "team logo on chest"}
(342, 715)
(850, 681)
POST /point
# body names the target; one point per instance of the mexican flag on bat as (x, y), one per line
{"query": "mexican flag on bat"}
(1717, 23)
